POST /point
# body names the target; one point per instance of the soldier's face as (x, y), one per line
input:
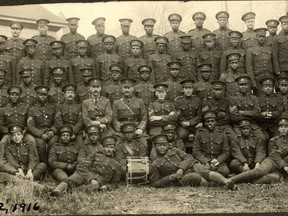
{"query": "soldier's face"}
(82, 50)
(284, 26)
(17, 137)
(58, 78)
(109, 47)
(175, 25)
(14, 97)
(210, 123)
(87, 78)
(272, 30)
(199, 22)
(93, 137)
(2, 46)
(125, 29)
(149, 29)
(129, 135)
(174, 72)
(234, 64)
(218, 92)
(127, 90)
(162, 148)
(209, 43)
(161, 48)
(109, 150)
(170, 135)
(42, 97)
(136, 50)
(116, 75)
(205, 74)
(100, 29)
(95, 89)
(30, 50)
(43, 29)
(188, 91)
(243, 87)
(250, 23)
(73, 27)
(69, 95)
(160, 95)
(144, 75)
(261, 39)
(186, 46)
(245, 131)
(283, 88)
(222, 21)
(235, 42)
(27, 80)
(15, 32)
(1, 81)
(65, 137)
(57, 51)
(283, 130)
(267, 88)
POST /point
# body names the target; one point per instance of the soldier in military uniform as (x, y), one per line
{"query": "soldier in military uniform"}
(21, 157)
(235, 47)
(69, 112)
(113, 88)
(145, 88)
(222, 34)
(279, 141)
(7, 62)
(4, 97)
(122, 43)
(95, 40)
(279, 47)
(131, 64)
(272, 25)
(211, 145)
(189, 108)
(109, 57)
(211, 54)
(14, 46)
(199, 31)
(28, 95)
(129, 146)
(71, 38)
(230, 76)
(282, 82)
(56, 95)
(83, 92)
(259, 61)
(82, 60)
(174, 87)
(188, 58)
(203, 88)
(63, 155)
(43, 48)
(97, 109)
(249, 36)
(40, 123)
(158, 61)
(57, 60)
(160, 110)
(149, 45)
(31, 61)
(247, 151)
(174, 41)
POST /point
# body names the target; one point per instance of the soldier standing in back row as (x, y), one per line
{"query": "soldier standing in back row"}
(272, 29)
(249, 36)
(222, 34)
(71, 38)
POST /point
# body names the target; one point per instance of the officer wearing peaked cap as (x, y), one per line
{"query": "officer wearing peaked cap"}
(199, 31)
(272, 26)
(29, 95)
(14, 46)
(122, 43)
(70, 38)
(174, 41)
(7, 62)
(249, 36)
(95, 40)
(148, 39)
(222, 34)
(43, 48)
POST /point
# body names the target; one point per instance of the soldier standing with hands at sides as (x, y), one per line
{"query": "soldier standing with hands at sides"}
(222, 34)
(272, 26)
(249, 36)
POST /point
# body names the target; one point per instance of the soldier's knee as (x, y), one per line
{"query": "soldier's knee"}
(236, 166)
(192, 179)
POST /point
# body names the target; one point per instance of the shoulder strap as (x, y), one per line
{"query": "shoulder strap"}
(131, 152)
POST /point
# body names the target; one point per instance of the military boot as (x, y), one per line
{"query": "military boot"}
(39, 172)
(63, 186)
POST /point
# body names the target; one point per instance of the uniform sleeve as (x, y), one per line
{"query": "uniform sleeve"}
(260, 150)
(42, 71)
(58, 118)
(272, 146)
(187, 160)
(79, 125)
(85, 172)
(276, 114)
(143, 116)
(52, 159)
(31, 124)
(119, 155)
(142, 149)
(113, 184)
(278, 155)
(156, 179)
(197, 152)
(85, 113)
(13, 70)
(236, 151)
(98, 67)
(275, 55)
(11, 160)
(116, 123)
(17, 75)
(249, 66)
(255, 113)
(70, 76)
(33, 157)
(107, 119)
(174, 117)
(47, 73)
(225, 150)
(4, 130)
(223, 63)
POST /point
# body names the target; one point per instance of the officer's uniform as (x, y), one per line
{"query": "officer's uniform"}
(283, 96)
(28, 95)
(4, 97)
(104, 61)
(242, 61)
(149, 45)
(197, 33)
(55, 94)
(132, 63)
(83, 92)
(174, 41)
(70, 39)
(122, 43)
(211, 144)
(97, 47)
(203, 87)
(14, 46)
(188, 59)
(279, 142)
(81, 61)
(58, 62)
(31, 62)
(250, 150)
(222, 34)
(7, 62)
(269, 39)
(211, 56)
(249, 38)
(158, 61)
(62, 155)
(43, 48)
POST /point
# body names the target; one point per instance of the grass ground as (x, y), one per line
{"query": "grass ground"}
(144, 199)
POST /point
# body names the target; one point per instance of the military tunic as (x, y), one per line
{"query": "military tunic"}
(82, 92)
(8, 62)
(203, 89)
(277, 143)
(15, 48)
(284, 99)
(4, 96)
(174, 89)
(174, 42)
(269, 40)
(249, 39)
(79, 62)
(113, 90)
(97, 47)
(222, 38)
(28, 95)
(160, 71)
(43, 48)
(70, 43)
(280, 54)
(197, 40)
(56, 95)
(242, 61)
(145, 91)
(122, 45)
(231, 85)
(131, 66)
(149, 45)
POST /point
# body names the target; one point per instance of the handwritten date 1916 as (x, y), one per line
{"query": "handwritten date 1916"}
(24, 207)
